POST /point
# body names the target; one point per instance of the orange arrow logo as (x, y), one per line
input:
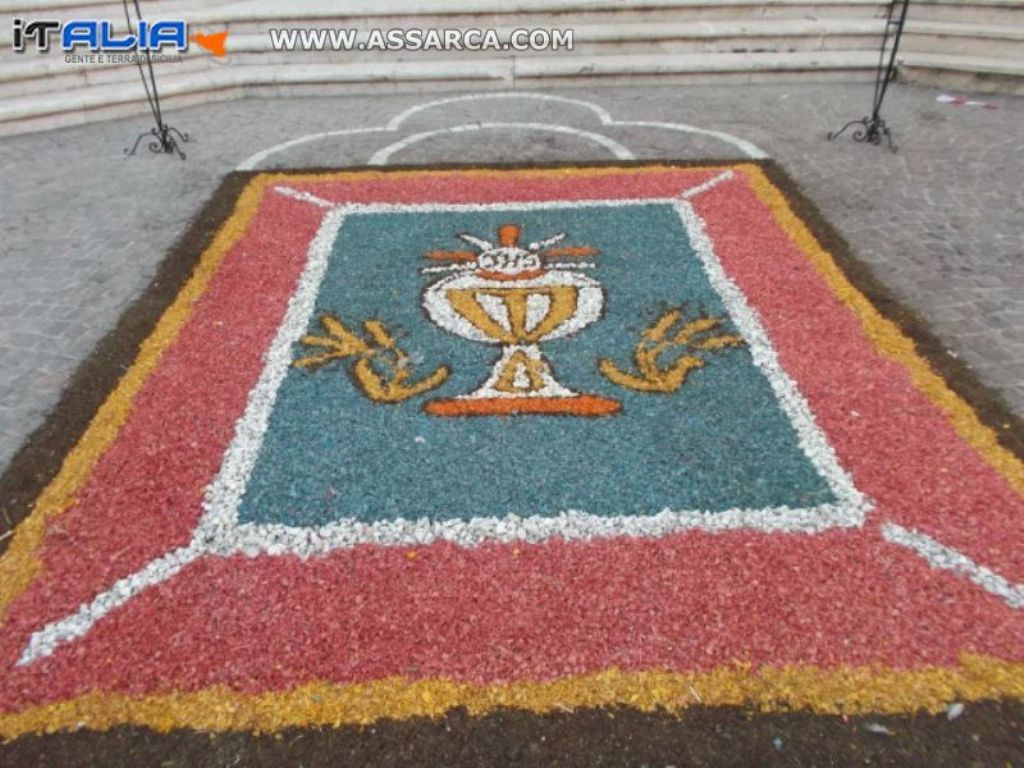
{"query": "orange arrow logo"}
(215, 43)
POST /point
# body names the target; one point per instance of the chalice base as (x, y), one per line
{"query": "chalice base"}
(522, 383)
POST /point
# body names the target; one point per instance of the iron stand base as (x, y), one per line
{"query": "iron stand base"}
(872, 131)
(164, 141)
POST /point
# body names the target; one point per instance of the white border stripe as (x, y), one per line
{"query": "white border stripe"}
(46, 640)
(225, 493)
(514, 205)
(812, 441)
(275, 539)
(940, 556)
(305, 197)
(709, 184)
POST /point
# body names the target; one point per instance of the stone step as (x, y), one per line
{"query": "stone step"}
(258, 15)
(744, 67)
(711, 37)
(52, 73)
(47, 110)
(39, 7)
(764, 35)
(989, 12)
(362, 13)
(969, 40)
(98, 9)
(567, 12)
(964, 73)
(642, 41)
(54, 76)
(36, 74)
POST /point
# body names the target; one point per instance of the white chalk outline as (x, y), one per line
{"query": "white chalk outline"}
(382, 156)
(220, 533)
(620, 151)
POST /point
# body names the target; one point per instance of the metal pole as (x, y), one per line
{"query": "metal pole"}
(163, 134)
(873, 128)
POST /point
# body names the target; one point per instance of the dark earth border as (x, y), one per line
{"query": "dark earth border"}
(989, 733)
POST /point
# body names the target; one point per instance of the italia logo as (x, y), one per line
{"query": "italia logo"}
(101, 36)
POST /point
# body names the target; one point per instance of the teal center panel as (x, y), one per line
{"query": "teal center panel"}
(720, 442)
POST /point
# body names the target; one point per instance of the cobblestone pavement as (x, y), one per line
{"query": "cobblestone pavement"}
(83, 228)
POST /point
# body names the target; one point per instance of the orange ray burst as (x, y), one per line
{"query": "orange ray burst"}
(569, 252)
(450, 255)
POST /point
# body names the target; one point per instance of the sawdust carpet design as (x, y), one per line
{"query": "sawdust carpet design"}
(533, 438)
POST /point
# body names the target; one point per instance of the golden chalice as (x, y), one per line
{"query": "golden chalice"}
(512, 297)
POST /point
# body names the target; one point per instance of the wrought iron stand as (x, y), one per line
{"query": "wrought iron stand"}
(165, 138)
(873, 128)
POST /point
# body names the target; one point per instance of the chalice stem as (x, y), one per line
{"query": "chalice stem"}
(522, 371)
(522, 382)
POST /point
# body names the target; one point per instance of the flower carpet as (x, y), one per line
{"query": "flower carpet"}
(381, 444)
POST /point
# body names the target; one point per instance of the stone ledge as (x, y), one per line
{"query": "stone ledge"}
(758, 29)
(478, 69)
(971, 64)
(209, 81)
(958, 29)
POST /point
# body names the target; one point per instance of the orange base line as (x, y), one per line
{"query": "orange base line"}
(581, 405)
